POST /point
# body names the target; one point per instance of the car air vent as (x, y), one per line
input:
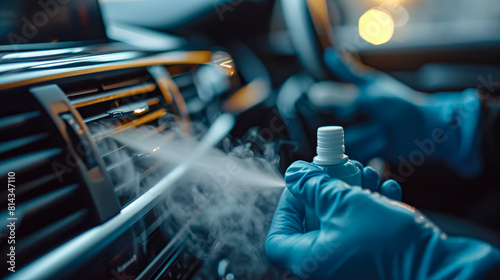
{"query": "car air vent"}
(30, 150)
(116, 102)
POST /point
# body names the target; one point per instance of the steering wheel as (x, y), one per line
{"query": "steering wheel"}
(310, 24)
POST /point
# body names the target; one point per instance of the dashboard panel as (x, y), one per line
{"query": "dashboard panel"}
(115, 226)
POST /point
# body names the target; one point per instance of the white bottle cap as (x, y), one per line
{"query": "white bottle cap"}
(330, 146)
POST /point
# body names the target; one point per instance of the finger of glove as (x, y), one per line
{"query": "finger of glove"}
(392, 190)
(370, 179)
(365, 141)
(286, 242)
(311, 186)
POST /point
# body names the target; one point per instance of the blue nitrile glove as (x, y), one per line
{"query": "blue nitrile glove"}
(405, 125)
(370, 180)
(364, 235)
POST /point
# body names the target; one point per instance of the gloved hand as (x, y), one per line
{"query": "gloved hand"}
(403, 124)
(364, 235)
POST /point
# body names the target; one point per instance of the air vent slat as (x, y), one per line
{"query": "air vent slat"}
(135, 123)
(96, 118)
(145, 136)
(124, 185)
(46, 201)
(82, 92)
(151, 169)
(53, 231)
(13, 122)
(129, 91)
(17, 143)
(125, 111)
(122, 84)
(118, 164)
(28, 162)
(114, 151)
(33, 184)
(41, 203)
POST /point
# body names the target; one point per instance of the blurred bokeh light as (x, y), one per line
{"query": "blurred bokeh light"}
(376, 27)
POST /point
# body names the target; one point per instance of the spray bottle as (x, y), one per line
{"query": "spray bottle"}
(334, 162)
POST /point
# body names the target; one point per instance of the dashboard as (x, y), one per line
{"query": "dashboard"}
(74, 206)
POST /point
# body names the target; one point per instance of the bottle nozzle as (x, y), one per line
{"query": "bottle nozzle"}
(330, 147)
